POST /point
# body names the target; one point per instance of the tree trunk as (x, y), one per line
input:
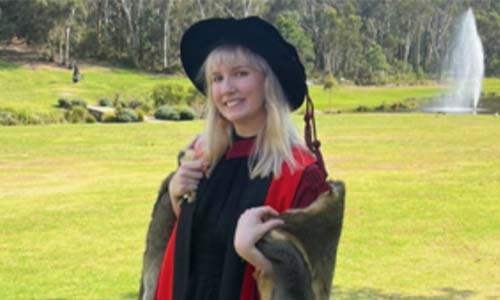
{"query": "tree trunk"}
(407, 50)
(166, 33)
(165, 44)
(67, 33)
(202, 9)
(61, 52)
(131, 38)
(98, 24)
(416, 61)
(247, 7)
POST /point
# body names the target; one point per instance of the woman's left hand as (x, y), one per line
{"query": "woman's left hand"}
(251, 227)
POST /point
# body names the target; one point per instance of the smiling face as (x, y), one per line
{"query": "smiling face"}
(236, 87)
(238, 94)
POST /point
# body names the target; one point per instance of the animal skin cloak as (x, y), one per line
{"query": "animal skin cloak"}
(278, 193)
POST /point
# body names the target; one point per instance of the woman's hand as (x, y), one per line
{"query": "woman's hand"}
(251, 227)
(185, 180)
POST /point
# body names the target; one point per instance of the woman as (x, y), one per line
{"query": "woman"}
(250, 163)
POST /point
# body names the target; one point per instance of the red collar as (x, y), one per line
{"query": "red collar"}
(241, 148)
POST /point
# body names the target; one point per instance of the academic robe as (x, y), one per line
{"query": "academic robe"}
(232, 276)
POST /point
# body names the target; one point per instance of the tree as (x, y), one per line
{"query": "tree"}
(290, 28)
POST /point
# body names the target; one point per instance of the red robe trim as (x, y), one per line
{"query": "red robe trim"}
(279, 196)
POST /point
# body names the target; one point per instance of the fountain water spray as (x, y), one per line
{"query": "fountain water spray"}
(464, 71)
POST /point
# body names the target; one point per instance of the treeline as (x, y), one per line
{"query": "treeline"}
(364, 41)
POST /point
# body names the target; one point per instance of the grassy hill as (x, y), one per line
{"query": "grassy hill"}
(35, 88)
(422, 212)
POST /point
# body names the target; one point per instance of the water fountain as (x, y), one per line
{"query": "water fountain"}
(464, 71)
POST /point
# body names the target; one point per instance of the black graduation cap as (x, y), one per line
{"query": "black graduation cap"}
(253, 33)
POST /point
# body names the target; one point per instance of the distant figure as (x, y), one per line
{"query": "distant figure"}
(76, 74)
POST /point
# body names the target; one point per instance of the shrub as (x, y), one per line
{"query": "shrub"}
(166, 112)
(108, 117)
(186, 113)
(140, 114)
(135, 103)
(361, 108)
(89, 118)
(118, 102)
(146, 107)
(28, 118)
(8, 118)
(79, 102)
(194, 96)
(127, 115)
(105, 102)
(168, 94)
(329, 82)
(64, 103)
(173, 69)
(76, 115)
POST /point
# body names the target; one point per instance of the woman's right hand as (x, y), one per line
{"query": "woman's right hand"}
(185, 180)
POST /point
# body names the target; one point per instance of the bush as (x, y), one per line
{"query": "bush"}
(135, 103)
(168, 94)
(118, 102)
(105, 102)
(173, 69)
(108, 117)
(8, 118)
(13, 117)
(361, 108)
(140, 114)
(79, 102)
(166, 112)
(194, 96)
(76, 115)
(64, 103)
(186, 113)
(329, 82)
(28, 118)
(146, 108)
(127, 115)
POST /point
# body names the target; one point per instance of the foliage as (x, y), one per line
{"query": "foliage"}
(196, 101)
(78, 102)
(342, 37)
(141, 115)
(289, 26)
(8, 118)
(126, 115)
(373, 67)
(166, 112)
(168, 94)
(186, 113)
(105, 102)
(79, 114)
(108, 117)
(64, 103)
(329, 82)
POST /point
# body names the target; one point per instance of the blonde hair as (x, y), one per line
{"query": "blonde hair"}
(273, 144)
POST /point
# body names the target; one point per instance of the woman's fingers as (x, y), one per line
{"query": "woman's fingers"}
(270, 224)
(260, 221)
(191, 174)
(187, 178)
(194, 165)
(262, 211)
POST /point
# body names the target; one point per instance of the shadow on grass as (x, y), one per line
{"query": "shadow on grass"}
(130, 295)
(446, 293)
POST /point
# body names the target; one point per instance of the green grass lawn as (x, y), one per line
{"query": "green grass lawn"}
(36, 88)
(422, 213)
